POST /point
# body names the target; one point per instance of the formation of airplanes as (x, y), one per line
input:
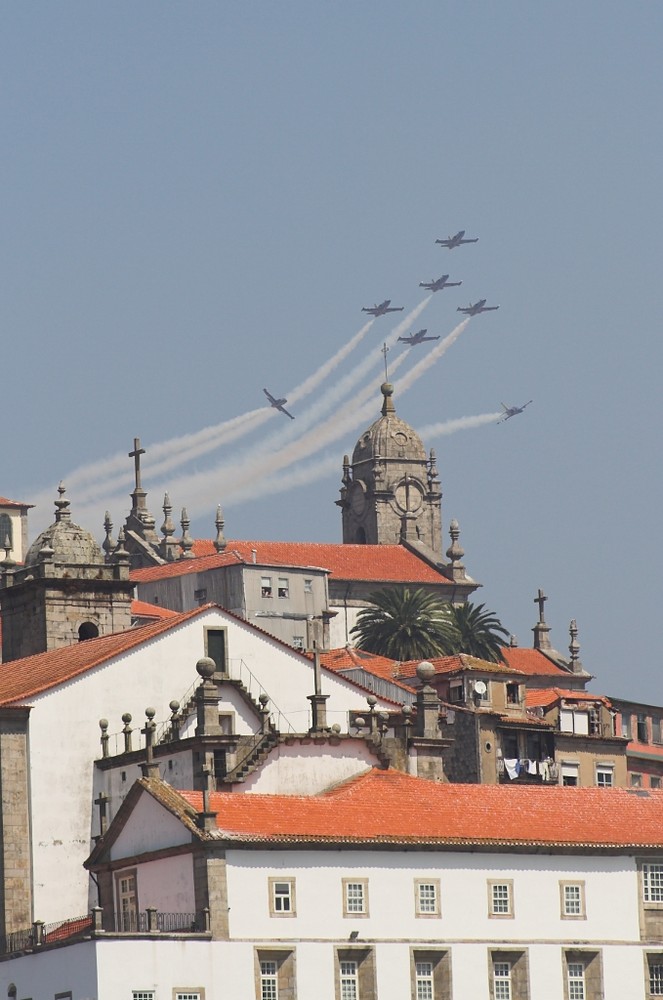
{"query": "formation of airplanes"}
(417, 338)
(278, 404)
(512, 411)
(382, 310)
(434, 285)
(437, 284)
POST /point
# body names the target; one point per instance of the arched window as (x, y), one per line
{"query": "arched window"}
(88, 630)
(361, 537)
(6, 531)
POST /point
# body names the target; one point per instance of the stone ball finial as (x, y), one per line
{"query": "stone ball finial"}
(126, 718)
(406, 711)
(263, 699)
(359, 722)
(103, 725)
(371, 700)
(425, 671)
(336, 728)
(174, 706)
(387, 389)
(206, 667)
(150, 712)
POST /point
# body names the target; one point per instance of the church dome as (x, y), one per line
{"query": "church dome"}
(68, 541)
(389, 436)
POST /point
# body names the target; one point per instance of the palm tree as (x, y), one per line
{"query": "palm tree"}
(478, 632)
(405, 625)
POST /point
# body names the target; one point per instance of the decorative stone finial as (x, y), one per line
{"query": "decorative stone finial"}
(387, 391)
(206, 667)
(455, 552)
(107, 544)
(219, 523)
(513, 641)
(167, 528)
(187, 540)
(425, 671)
(574, 648)
(433, 478)
(62, 512)
(347, 479)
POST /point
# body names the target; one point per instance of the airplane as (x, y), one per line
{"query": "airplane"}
(475, 308)
(382, 309)
(417, 338)
(278, 404)
(437, 284)
(455, 241)
(512, 411)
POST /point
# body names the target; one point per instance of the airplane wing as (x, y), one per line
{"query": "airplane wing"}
(283, 410)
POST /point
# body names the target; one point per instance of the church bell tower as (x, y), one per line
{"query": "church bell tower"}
(391, 491)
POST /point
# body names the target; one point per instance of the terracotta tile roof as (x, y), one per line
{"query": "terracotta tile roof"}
(4, 502)
(455, 664)
(23, 679)
(408, 810)
(549, 696)
(374, 563)
(141, 609)
(532, 662)
(348, 658)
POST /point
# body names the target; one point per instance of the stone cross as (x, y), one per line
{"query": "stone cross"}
(385, 351)
(135, 454)
(540, 599)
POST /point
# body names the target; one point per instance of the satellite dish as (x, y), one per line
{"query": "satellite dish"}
(480, 687)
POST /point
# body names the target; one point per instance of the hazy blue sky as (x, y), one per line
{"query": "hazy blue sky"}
(198, 199)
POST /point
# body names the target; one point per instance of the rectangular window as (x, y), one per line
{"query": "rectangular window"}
(127, 901)
(456, 693)
(298, 641)
(641, 728)
(283, 588)
(427, 897)
(570, 774)
(576, 980)
(269, 983)
(215, 647)
(636, 780)
(143, 995)
(605, 775)
(655, 970)
(282, 897)
(626, 725)
(349, 980)
(423, 979)
(500, 899)
(656, 730)
(308, 586)
(655, 781)
(572, 896)
(265, 586)
(502, 980)
(512, 694)
(652, 883)
(355, 897)
(189, 995)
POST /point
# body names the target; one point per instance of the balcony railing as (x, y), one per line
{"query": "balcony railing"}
(150, 921)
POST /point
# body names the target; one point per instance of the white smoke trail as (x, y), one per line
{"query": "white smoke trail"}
(232, 478)
(431, 357)
(93, 480)
(330, 463)
(314, 380)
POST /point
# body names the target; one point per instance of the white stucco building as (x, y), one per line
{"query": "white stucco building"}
(384, 887)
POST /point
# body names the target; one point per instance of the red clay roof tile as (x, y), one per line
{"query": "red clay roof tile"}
(392, 807)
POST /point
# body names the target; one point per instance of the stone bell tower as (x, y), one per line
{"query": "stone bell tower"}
(391, 492)
(65, 592)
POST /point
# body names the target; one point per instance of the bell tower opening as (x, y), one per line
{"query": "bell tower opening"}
(88, 630)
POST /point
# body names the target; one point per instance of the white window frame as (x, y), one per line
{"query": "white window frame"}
(655, 975)
(355, 897)
(298, 642)
(266, 589)
(143, 995)
(282, 904)
(575, 978)
(427, 897)
(282, 587)
(424, 984)
(308, 585)
(605, 771)
(572, 900)
(652, 884)
(269, 979)
(570, 769)
(500, 898)
(349, 979)
(502, 980)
